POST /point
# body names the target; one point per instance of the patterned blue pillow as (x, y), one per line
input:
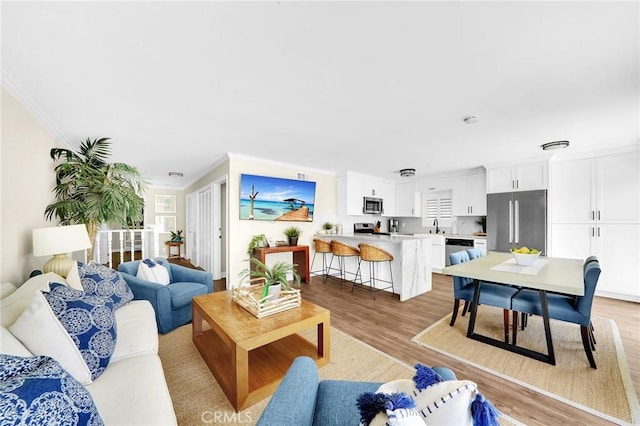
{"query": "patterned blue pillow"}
(89, 320)
(103, 281)
(38, 391)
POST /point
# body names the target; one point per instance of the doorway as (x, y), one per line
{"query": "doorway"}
(207, 227)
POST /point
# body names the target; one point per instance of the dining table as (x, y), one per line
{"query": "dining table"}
(547, 274)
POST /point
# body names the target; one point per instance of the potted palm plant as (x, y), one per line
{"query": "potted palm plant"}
(274, 278)
(292, 233)
(91, 191)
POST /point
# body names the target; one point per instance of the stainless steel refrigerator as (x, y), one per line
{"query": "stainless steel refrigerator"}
(516, 219)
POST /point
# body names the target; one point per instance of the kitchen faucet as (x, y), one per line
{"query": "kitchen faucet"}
(435, 223)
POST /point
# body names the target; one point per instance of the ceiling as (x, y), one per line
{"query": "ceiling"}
(371, 87)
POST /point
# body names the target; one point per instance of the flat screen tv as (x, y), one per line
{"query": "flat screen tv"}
(271, 198)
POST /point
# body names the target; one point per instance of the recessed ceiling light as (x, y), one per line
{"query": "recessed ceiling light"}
(407, 172)
(176, 174)
(554, 145)
(471, 119)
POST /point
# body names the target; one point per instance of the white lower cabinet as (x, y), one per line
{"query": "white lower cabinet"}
(480, 244)
(615, 245)
(437, 251)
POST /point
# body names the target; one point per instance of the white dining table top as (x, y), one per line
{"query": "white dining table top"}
(558, 275)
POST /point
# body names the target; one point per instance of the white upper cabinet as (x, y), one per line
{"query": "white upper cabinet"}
(595, 210)
(353, 187)
(408, 200)
(469, 195)
(572, 194)
(521, 177)
(603, 189)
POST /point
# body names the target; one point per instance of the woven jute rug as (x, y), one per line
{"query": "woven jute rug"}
(606, 392)
(198, 399)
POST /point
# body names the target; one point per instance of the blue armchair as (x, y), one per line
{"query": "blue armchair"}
(303, 399)
(171, 302)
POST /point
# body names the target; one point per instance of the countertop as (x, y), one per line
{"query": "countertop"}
(394, 238)
(446, 235)
(399, 236)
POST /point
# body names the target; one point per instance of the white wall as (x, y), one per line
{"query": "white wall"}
(150, 213)
(241, 231)
(27, 181)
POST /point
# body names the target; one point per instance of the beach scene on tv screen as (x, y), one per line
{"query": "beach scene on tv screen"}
(271, 198)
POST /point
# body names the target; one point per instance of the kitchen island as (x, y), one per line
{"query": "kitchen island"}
(411, 265)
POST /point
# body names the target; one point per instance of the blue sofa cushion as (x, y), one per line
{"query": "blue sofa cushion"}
(37, 390)
(103, 281)
(182, 293)
(90, 322)
(294, 401)
(336, 402)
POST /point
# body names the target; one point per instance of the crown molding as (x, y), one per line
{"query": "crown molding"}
(30, 105)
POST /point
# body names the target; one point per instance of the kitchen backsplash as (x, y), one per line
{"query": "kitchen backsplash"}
(463, 225)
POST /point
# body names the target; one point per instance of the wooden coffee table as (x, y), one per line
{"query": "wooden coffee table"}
(250, 356)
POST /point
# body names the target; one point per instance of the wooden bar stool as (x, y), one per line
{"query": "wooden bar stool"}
(344, 251)
(373, 255)
(324, 248)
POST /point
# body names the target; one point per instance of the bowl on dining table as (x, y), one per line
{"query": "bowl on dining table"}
(525, 259)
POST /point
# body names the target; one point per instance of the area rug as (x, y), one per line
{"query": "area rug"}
(606, 392)
(198, 399)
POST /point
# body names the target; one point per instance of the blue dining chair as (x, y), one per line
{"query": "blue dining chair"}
(571, 309)
(490, 294)
(474, 253)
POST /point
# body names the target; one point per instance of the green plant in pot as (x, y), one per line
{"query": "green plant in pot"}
(274, 276)
(256, 241)
(327, 226)
(176, 237)
(292, 233)
(482, 221)
(92, 191)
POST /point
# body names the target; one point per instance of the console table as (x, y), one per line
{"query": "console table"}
(300, 258)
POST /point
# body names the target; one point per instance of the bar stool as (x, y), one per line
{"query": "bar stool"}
(373, 254)
(344, 251)
(324, 248)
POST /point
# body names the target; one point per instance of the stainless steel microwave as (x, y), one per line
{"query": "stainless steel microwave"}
(372, 205)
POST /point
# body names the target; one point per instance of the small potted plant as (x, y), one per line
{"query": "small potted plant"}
(327, 226)
(256, 241)
(292, 234)
(274, 278)
(482, 221)
(176, 237)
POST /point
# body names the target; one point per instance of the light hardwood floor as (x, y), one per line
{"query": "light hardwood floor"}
(388, 325)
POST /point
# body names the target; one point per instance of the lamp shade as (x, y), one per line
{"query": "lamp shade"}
(60, 239)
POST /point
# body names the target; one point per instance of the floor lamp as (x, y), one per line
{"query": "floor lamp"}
(58, 241)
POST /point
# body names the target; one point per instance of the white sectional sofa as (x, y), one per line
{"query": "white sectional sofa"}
(132, 390)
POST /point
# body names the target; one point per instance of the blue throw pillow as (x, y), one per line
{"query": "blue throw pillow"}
(103, 281)
(89, 320)
(38, 391)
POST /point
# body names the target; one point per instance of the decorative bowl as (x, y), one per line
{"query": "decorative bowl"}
(525, 259)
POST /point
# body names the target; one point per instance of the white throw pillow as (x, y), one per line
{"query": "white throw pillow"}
(73, 278)
(10, 345)
(156, 274)
(15, 303)
(443, 403)
(40, 331)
